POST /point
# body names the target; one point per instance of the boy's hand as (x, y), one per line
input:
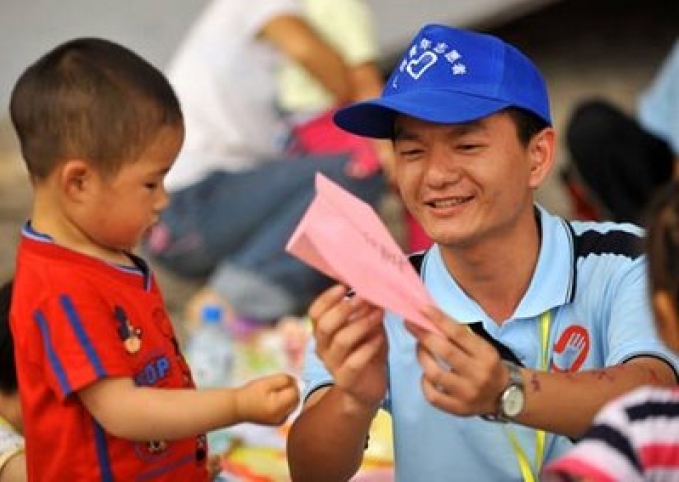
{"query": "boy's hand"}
(267, 400)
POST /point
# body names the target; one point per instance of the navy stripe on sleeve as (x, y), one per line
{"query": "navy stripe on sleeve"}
(618, 242)
(83, 339)
(54, 361)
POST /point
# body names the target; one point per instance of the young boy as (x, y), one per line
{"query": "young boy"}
(12, 457)
(105, 392)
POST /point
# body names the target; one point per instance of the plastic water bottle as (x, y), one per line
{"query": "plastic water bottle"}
(209, 352)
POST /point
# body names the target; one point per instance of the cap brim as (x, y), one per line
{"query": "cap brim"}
(375, 118)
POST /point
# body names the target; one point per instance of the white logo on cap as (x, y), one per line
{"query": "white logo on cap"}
(453, 56)
(459, 69)
(418, 63)
(417, 67)
(441, 48)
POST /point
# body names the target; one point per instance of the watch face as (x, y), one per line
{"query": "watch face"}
(512, 401)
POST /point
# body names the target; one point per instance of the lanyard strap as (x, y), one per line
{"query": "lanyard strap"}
(540, 436)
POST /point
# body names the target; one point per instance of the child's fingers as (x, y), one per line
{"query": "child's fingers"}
(281, 381)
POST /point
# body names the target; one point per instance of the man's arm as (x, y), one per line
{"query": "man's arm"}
(328, 438)
(464, 375)
(566, 403)
(294, 37)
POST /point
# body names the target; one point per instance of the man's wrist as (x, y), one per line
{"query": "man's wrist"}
(512, 398)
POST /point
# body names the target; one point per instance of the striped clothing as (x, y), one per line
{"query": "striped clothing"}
(635, 437)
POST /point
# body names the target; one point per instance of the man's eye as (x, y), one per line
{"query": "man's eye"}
(151, 185)
(409, 153)
(469, 146)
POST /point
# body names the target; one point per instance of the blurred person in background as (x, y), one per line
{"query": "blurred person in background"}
(12, 457)
(348, 26)
(236, 195)
(622, 159)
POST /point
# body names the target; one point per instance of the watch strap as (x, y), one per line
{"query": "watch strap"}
(515, 382)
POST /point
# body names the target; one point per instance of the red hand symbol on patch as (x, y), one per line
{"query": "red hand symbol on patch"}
(572, 349)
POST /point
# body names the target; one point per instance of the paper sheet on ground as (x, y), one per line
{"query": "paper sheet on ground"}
(343, 237)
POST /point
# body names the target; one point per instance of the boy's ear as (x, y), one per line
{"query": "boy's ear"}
(75, 179)
(666, 319)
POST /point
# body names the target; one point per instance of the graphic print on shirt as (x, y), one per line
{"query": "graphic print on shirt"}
(162, 321)
(153, 371)
(129, 335)
(571, 349)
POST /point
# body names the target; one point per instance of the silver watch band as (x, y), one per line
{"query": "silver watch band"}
(513, 394)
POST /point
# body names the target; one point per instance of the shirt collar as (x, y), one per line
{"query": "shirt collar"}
(552, 284)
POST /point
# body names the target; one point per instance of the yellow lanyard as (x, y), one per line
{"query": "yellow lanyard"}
(540, 436)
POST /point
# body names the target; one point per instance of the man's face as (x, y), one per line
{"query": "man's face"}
(465, 182)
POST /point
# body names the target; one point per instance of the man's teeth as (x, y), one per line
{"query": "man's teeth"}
(447, 203)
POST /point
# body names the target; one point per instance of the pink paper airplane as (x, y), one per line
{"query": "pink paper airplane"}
(343, 237)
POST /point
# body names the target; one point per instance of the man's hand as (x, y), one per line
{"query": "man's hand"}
(462, 373)
(351, 342)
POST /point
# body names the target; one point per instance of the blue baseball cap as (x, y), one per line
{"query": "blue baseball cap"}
(448, 76)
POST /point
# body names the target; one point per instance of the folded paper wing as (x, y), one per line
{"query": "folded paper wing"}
(343, 237)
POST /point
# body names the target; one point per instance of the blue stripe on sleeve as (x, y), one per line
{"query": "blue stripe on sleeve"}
(58, 369)
(102, 453)
(83, 339)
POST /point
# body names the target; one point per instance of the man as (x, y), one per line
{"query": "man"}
(542, 320)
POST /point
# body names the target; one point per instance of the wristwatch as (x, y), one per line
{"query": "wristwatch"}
(513, 397)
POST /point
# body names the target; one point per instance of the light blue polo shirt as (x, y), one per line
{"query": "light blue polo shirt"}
(590, 278)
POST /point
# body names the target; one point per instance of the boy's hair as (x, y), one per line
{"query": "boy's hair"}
(662, 241)
(90, 99)
(8, 376)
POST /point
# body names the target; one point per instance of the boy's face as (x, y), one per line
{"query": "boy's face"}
(123, 206)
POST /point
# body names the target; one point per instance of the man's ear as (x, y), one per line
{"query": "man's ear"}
(541, 154)
(666, 319)
(75, 179)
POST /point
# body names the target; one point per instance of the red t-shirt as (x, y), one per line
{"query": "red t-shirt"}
(75, 320)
